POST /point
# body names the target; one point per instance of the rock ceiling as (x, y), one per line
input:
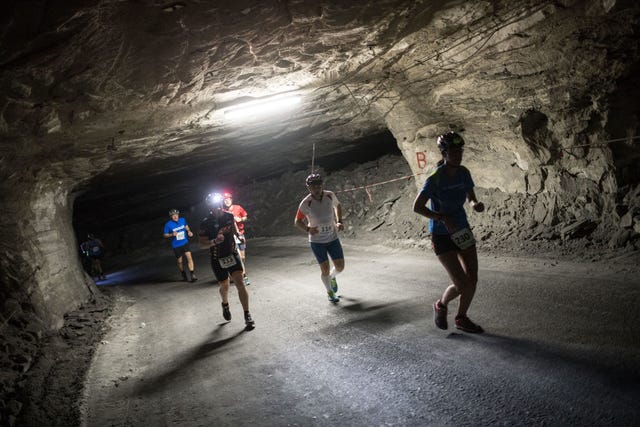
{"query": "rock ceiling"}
(140, 88)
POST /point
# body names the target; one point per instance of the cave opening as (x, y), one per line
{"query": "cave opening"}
(124, 198)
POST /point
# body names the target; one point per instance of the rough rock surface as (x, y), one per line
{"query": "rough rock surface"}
(117, 110)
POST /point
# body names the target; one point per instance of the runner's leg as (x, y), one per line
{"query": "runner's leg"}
(189, 261)
(337, 256)
(224, 290)
(469, 261)
(451, 264)
(338, 266)
(242, 290)
(322, 256)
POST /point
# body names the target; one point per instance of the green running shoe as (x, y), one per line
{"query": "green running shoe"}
(334, 284)
(333, 297)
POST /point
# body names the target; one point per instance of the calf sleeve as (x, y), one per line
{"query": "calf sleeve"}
(327, 282)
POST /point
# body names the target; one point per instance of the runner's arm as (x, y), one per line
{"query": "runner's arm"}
(299, 221)
(420, 207)
(236, 231)
(473, 201)
(168, 232)
(243, 215)
(338, 210)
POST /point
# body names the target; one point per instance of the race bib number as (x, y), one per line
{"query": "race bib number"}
(180, 235)
(228, 261)
(463, 238)
(325, 230)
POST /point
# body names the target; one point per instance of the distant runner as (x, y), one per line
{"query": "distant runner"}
(93, 249)
(178, 231)
(315, 216)
(240, 216)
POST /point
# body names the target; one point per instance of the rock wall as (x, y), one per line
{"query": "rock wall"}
(541, 109)
(38, 259)
(41, 279)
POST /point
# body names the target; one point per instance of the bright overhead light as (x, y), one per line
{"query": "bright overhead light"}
(263, 107)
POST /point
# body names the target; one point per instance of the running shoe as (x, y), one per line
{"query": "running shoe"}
(440, 315)
(193, 277)
(225, 312)
(333, 297)
(465, 324)
(246, 280)
(248, 321)
(334, 284)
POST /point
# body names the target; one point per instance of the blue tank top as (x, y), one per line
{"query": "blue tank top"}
(447, 195)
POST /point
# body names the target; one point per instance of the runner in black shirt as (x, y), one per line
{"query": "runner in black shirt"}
(217, 232)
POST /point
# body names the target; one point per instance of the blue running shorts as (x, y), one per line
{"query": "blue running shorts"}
(322, 251)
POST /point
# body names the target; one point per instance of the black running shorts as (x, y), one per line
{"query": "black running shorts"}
(223, 267)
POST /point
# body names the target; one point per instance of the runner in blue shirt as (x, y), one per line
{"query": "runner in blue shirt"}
(448, 187)
(178, 231)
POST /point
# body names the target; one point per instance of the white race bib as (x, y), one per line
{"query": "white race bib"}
(228, 261)
(325, 230)
(180, 235)
(463, 238)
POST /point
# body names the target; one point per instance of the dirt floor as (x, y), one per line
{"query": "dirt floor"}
(580, 317)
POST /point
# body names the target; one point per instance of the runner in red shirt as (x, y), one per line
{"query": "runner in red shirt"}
(240, 216)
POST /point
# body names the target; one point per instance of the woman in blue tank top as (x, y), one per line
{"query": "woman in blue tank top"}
(447, 188)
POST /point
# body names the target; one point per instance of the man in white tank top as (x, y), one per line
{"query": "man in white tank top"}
(320, 215)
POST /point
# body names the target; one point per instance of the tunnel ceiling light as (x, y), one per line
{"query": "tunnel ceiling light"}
(262, 108)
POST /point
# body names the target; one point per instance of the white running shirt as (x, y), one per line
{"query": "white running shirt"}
(320, 213)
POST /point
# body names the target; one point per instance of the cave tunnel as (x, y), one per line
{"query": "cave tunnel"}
(115, 112)
(133, 196)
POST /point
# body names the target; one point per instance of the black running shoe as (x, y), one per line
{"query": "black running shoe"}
(333, 297)
(193, 277)
(440, 315)
(225, 312)
(248, 321)
(465, 324)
